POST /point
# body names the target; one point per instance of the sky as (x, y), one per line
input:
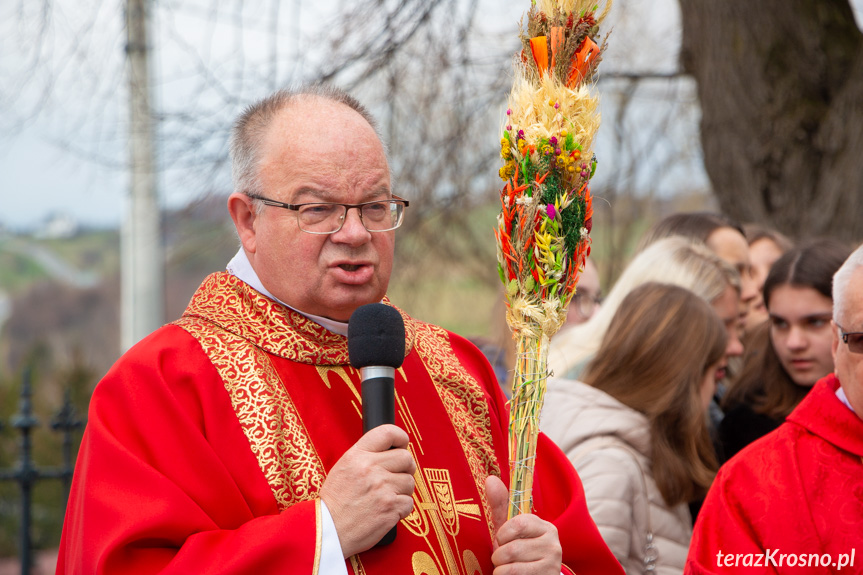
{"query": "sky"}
(40, 176)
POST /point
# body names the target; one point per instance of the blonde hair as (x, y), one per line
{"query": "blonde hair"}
(674, 260)
(654, 359)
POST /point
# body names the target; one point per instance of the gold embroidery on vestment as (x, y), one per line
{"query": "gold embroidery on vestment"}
(436, 512)
(409, 422)
(324, 372)
(267, 324)
(267, 415)
(357, 565)
(465, 404)
(471, 563)
(423, 564)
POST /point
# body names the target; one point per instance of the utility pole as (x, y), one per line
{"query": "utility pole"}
(142, 267)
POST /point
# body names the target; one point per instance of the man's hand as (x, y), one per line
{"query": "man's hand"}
(370, 487)
(525, 544)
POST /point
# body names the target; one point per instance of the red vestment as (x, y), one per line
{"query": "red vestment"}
(796, 491)
(208, 442)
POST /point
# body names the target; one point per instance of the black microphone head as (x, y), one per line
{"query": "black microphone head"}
(376, 336)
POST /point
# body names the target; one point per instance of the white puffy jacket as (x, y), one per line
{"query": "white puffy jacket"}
(609, 445)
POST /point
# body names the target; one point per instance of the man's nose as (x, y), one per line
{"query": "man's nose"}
(353, 231)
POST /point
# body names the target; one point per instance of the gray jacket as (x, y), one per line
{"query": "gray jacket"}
(609, 445)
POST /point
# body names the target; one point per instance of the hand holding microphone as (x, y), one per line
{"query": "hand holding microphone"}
(370, 488)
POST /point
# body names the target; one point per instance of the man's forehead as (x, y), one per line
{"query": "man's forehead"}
(322, 127)
(311, 114)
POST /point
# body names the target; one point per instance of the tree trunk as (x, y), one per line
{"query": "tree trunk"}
(781, 91)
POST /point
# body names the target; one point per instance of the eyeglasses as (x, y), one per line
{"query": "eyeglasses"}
(328, 218)
(854, 339)
(585, 304)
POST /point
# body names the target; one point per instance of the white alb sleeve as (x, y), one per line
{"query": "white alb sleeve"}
(332, 560)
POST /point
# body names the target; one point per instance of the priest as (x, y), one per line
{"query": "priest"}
(230, 441)
(793, 501)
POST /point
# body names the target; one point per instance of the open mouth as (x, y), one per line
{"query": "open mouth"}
(354, 273)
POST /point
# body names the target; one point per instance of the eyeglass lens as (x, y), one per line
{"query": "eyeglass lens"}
(585, 304)
(854, 341)
(327, 218)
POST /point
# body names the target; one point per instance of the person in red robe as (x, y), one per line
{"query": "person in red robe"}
(230, 441)
(793, 500)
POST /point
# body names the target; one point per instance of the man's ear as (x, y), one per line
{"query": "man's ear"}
(243, 213)
(836, 338)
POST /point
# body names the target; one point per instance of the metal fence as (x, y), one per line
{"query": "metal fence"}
(26, 473)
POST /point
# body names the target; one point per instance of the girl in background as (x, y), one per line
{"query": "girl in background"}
(636, 429)
(790, 352)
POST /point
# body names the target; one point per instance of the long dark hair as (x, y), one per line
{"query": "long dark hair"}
(764, 384)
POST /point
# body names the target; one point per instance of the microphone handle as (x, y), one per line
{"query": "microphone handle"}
(378, 402)
(379, 408)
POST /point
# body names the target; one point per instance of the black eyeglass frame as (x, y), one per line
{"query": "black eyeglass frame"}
(296, 208)
(845, 335)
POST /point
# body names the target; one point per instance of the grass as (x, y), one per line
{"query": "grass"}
(97, 250)
(445, 271)
(463, 305)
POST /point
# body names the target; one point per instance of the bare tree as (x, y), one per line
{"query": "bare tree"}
(434, 71)
(780, 85)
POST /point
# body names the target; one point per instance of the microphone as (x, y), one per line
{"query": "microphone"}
(376, 346)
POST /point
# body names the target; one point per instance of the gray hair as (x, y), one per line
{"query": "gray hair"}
(251, 127)
(842, 281)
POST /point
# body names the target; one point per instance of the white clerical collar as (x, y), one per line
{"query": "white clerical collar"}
(241, 267)
(840, 393)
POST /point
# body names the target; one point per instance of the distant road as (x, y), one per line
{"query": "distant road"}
(53, 264)
(60, 270)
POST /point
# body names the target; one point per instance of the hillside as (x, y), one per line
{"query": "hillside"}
(62, 296)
